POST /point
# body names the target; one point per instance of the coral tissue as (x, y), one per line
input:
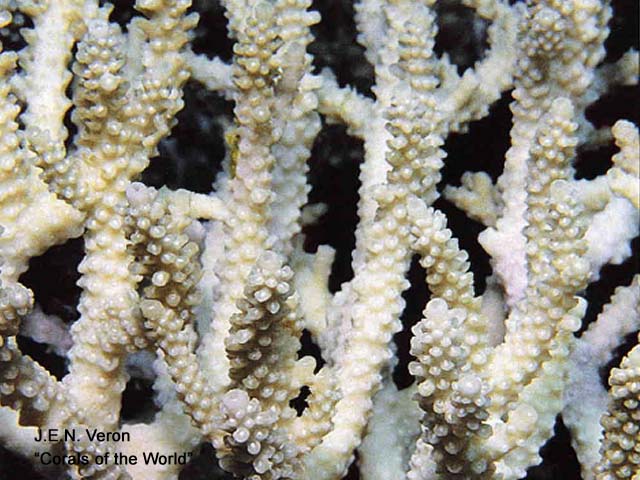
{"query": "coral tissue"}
(210, 293)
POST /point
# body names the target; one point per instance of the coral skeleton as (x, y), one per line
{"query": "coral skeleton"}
(210, 294)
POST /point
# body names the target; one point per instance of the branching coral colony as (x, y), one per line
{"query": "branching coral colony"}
(219, 289)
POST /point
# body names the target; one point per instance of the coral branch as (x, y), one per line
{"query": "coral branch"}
(221, 322)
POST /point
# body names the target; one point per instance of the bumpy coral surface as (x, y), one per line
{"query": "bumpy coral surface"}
(190, 160)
